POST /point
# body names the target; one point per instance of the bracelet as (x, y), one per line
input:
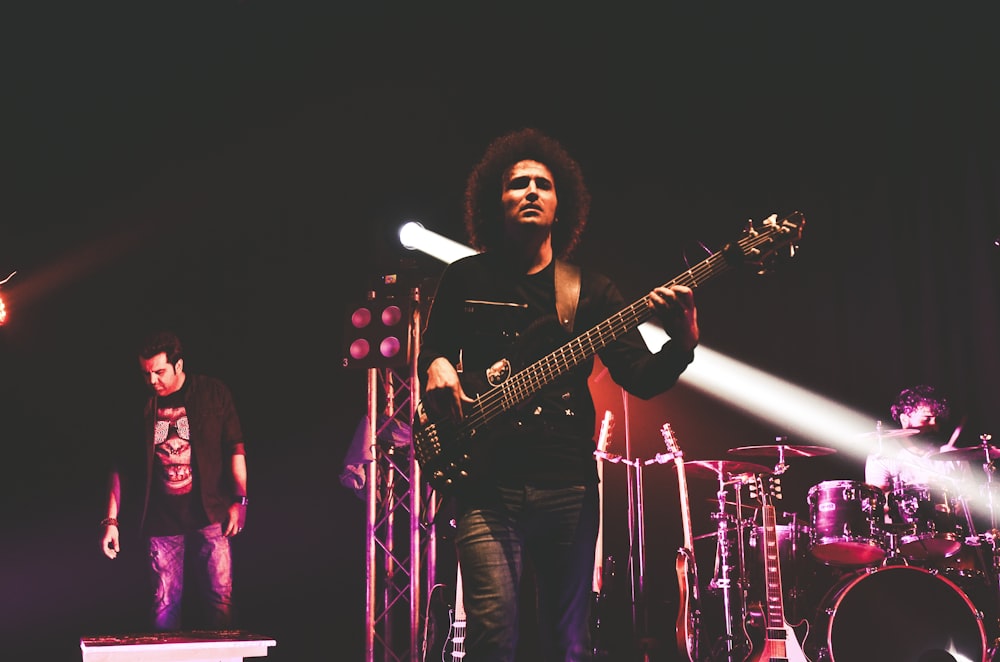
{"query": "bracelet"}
(109, 521)
(242, 500)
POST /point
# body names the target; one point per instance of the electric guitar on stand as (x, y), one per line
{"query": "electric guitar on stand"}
(689, 603)
(603, 568)
(780, 641)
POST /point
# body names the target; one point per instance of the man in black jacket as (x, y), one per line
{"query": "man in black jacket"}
(531, 492)
(194, 479)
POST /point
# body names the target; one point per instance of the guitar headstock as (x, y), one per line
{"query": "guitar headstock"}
(764, 246)
(604, 438)
(765, 488)
(668, 438)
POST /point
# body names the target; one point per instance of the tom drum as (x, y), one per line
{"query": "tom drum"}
(936, 532)
(845, 521)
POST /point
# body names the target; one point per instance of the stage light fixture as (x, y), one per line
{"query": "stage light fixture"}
(414, 236)
(3, 305)
(377, 332)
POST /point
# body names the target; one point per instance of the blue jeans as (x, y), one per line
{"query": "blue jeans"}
(554, 528)
(214, 581)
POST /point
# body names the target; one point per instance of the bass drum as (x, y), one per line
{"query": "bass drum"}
(896, 614)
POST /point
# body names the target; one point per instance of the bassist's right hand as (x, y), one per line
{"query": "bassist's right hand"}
(443, 394)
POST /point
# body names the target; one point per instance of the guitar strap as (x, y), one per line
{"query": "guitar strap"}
(567, 293)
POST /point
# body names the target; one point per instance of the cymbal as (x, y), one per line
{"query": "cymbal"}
(888, 434)
(971, 453)
(717, 468)
(775, 450)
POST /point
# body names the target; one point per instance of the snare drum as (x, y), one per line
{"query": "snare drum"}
(845, 518)
(935, 531)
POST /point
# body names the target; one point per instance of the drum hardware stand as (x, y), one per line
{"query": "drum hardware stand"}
(722, 580)
(894, 555)
(989, 538)
(878, 436)
(780, 467)
(796, 592)
(990, 468)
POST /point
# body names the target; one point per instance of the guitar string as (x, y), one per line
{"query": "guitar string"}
(507, 395)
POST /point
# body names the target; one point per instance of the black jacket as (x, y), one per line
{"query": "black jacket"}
(492, 322)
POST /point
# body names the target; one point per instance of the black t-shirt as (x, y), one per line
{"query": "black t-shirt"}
(174, 498)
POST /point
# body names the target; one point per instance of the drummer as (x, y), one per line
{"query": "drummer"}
(908, 457)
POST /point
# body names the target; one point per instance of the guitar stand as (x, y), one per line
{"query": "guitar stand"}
(645, 643)
(637, 542)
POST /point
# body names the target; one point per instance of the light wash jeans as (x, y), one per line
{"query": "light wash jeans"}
(214, 581)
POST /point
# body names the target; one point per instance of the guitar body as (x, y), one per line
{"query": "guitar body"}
(451, 451)
(687, 610)
(778, 644)
(599, 612)
(447, 450)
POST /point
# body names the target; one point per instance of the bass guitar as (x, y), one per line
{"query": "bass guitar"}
(446, 448)
(780, 642)
(689, 603)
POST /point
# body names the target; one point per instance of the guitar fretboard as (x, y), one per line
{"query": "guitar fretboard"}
(530, 380)
(772, 575)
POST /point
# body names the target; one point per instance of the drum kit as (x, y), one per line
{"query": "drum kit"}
(896, 575)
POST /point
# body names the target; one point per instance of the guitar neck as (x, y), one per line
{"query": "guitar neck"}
(459, 598)
(772, 571)
(602, 447)
(542, 372)
(443, 443)
(456, 634)
(685, 503)
(781, 642)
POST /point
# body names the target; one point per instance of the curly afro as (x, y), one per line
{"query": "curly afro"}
(483, 210)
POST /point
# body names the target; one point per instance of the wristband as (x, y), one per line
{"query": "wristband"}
(109, 521)
(242, 500)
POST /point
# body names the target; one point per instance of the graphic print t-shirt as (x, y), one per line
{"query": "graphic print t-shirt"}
(175, 506)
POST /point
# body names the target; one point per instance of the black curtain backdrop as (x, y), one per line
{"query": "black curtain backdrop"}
(236, 170)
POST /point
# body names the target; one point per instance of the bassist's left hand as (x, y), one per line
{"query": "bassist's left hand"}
(674, 307)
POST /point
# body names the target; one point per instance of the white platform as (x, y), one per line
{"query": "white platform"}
(200, 646)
